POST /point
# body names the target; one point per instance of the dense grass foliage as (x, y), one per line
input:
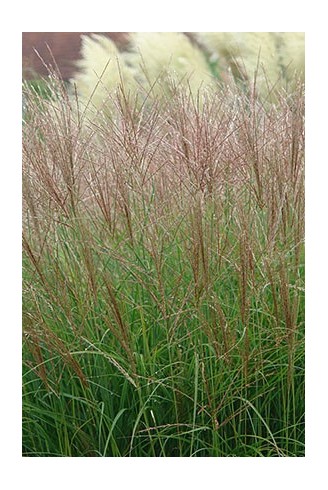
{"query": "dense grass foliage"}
(163, 281)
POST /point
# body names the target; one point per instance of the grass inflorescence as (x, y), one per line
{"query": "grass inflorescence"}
(163, 281)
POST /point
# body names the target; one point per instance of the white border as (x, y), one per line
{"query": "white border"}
(175, 473)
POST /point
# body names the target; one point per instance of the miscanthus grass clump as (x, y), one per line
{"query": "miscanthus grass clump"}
(163, 274)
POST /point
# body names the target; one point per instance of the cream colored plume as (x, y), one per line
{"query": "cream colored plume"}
(291, 47)
(158, 59)
(159, 56)
(101, 71)
(274, 56)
